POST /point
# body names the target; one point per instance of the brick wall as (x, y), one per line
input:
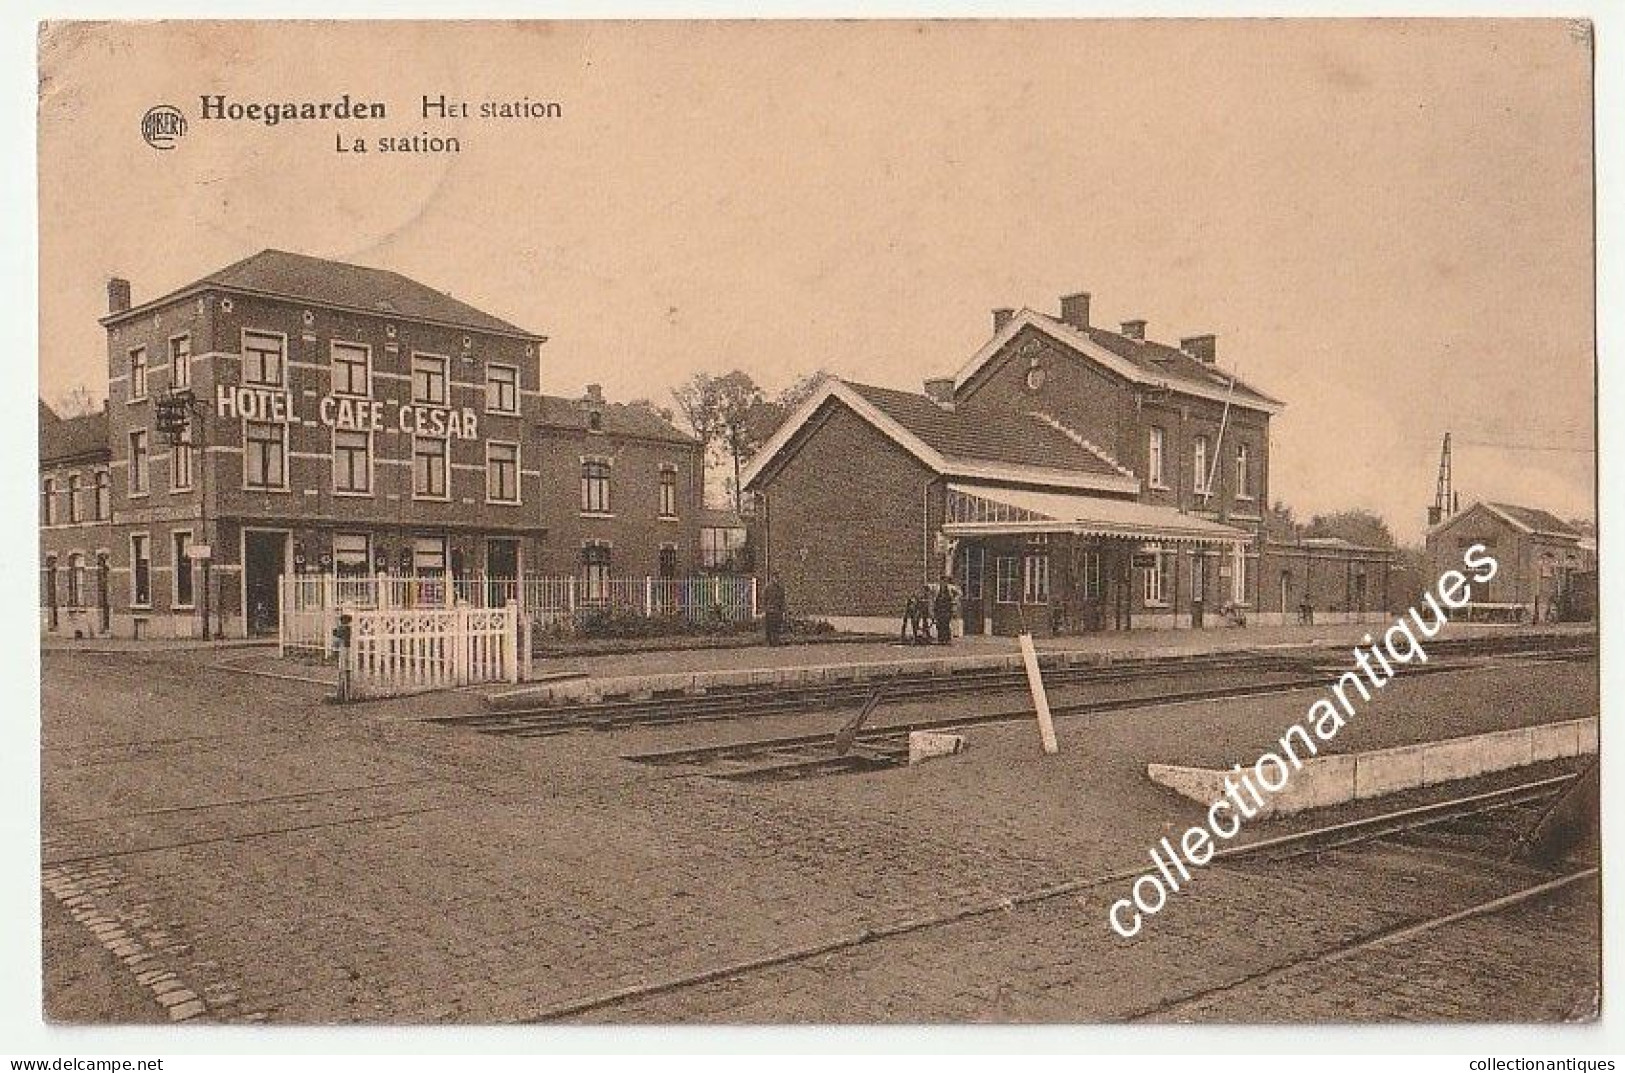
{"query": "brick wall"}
(846, 520)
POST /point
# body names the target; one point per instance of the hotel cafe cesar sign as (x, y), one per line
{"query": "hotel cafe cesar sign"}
(355, 415)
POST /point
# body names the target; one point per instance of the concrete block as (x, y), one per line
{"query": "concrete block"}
(1586, 735)
(1202, 785)
(1454, 758)
(1387, 771)
(926, 745)
(1326, 780)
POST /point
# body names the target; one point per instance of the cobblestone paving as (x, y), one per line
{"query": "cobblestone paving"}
(234, 842)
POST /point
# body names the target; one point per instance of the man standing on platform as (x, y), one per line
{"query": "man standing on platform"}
(773, 609)
(942, 607)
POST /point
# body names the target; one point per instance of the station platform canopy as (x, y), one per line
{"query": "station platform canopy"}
(989, 510)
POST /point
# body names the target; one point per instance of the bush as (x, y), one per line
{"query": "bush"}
(625, 624)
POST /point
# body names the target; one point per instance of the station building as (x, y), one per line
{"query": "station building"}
(1547, 568)
(1069, 477)
(345, 420)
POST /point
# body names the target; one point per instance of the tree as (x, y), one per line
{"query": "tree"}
(1280, 524)
(721, 411)
(1356, 526)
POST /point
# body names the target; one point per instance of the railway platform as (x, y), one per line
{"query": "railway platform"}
(646, 674)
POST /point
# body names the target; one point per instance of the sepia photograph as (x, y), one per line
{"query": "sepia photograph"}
(818, 523)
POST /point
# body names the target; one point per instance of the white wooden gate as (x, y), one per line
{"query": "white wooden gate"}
(411, 650)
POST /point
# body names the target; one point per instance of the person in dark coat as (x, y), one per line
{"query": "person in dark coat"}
(910, 629)
(942, 608)
(773, 604)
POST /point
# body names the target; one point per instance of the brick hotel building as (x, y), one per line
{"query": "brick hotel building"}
(1070, 477)
(344, 420)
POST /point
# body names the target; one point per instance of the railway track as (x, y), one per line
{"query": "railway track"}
(1342, 836)
(742, 702)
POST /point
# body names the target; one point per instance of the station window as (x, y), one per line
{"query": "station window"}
(1238, 575)
(429, 467)
(180, 467)
(1089, 576)
(183, 569)
(668, 560)
(75, 513)
(1035, 578)
(352, 462)
(1199, 466)
(429, 379)
(265, 455)
(102, 497)
(76, 580)
(352, 370)
(138, 373)
(594, 486)
(1244, 488)
(47, 501)
(502, 389)
(264, 358)
(975, 562)
(595, 570)
(140, 570)
(1007, 579)
(668, 491)
(502, 472)
(1153, 459)
(139, 461)
(352, 554)
(1158, 578)
(180, 362)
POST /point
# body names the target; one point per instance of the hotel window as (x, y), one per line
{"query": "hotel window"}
(595, 570)
(138, 373)
(352, 554)
(183, 569)
(668, 560)
(1199, 464)
(101, 498)
(47, 502)
(76, 580)
(352, 461)
(180, 362)
(1153, 463)
(1238, 575)
(429, 555)
(429, 467)
(180, 467)
(1035, 578)
(74, 512)
(502, 472)
(352, 369)
(668, 491)
(1158, 579)
(1007, 579)
(263, 359)
(138, 462)
(594, 486)
(265, 455)
(428, 380)
(1244, 488)
(502, 389)
(140, 570)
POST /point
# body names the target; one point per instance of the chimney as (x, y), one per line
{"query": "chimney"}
(1001, 317)
(1075, 310)
(941, 391)
(1134, 329)
(118, 295)
(595, 394)
(1204, 348)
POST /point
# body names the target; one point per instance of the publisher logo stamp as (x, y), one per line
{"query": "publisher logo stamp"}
(163, 126)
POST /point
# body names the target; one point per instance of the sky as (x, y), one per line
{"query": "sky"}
(1387, 224)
